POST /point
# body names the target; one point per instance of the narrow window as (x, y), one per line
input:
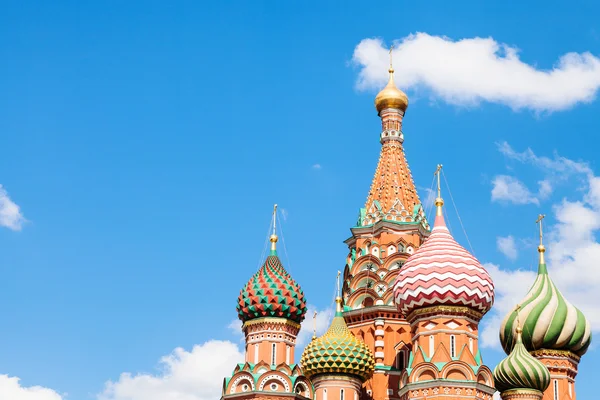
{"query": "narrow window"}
(273, 353)
(256, 353)
(452, 346)
(555, 389)
(324, 394)
(471, 345)
(431, 345)
(342, 394)
(287, 354)
(400, 360)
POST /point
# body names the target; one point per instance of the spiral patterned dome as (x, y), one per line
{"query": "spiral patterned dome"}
(338, 351)
(271, 292)
(442, 272)
(550, 321)
(520, 370)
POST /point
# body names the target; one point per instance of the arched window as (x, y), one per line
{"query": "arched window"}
(452, 346)
(400, 360)
(273, 353)
(555, 389)
(287, 353)
(324, 394)
(341, 394)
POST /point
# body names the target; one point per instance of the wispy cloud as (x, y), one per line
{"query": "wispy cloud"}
(10, 213)
(507, 246)
(509, 189)
(468, 71)
(316, 166)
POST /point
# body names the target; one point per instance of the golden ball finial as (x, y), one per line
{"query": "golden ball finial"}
(274, 238)
(391, 96)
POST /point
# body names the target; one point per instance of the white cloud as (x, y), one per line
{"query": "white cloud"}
(472, 70)
(323, 320)
(316, 166)
(545, 189)
(284, 213)
(10, 388)
(194, 375)
(572, 250)
(507, 246)
(509, 189)
(10, 213)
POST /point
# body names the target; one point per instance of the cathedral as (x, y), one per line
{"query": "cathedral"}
(408, 308)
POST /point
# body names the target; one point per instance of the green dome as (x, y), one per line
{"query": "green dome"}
(520, 370)
(338, 351)
(550, 321)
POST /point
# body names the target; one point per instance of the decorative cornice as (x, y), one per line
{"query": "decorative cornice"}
(444, 310)
(542, 353)
(271, 320)
(521, 394)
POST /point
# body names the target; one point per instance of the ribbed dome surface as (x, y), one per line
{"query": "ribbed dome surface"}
(442, 272)
(338, 351)
(272, 292)
(520, 370)
(550, 321)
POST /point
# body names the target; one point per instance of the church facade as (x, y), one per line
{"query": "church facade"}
(408, 310)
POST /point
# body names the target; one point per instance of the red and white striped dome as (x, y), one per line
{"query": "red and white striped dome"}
(442, 272)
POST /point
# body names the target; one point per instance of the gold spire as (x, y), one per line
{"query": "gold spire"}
(338, 299)
(391, 96)
(439, 202)
(274, 237)
(541, 248)
(315, 325)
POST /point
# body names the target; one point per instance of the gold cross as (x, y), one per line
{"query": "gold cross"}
(391, 48)
(338, 283)
(437, 172)
(315, 324)
(539, 221)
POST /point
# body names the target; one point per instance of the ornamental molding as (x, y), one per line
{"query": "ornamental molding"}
(556, 354)
(243, 377)
(444, 310)
(271, 321)
(276, 377)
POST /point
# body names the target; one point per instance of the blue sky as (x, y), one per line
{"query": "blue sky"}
(145, 143)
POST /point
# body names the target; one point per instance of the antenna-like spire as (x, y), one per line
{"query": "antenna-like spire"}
(274, 237)
(541, 248)
(315, 325)
(439, 202)
(338, 299)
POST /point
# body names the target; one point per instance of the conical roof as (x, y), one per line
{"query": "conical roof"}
(520, 370)
(338, 351)
(549, 320)
(271, 292)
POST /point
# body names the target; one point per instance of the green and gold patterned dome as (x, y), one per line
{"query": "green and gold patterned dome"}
(520, 370)
(272, 292)
(338, 351)
(550, 322)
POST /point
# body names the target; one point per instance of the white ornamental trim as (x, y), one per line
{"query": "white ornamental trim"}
(379, 354)
(276, 377)
(379, 322)
(379, 343)
(239, 379)
(379, 332)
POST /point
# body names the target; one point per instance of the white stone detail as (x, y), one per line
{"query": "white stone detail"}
(379, 343)
(379, 354)
(430, 326)
(379, 322)
(452, 325)
(239, 379)
(379, 332)
(379, 302)
(275, 377)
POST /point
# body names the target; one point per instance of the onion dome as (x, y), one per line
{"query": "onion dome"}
(338, 351)
(442, 273)
(520, 370)
(391, 96)
(272, 292)
(550, 321)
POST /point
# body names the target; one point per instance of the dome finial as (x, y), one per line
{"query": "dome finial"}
(439, 202)
(274, 237)
(391, 96)
(338, 299)
(541, 248)
(315, 325)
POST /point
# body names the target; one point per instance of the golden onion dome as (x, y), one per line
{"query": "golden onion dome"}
(338, 351)
(391, 96)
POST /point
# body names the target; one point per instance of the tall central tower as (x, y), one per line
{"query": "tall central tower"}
(390, 227)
